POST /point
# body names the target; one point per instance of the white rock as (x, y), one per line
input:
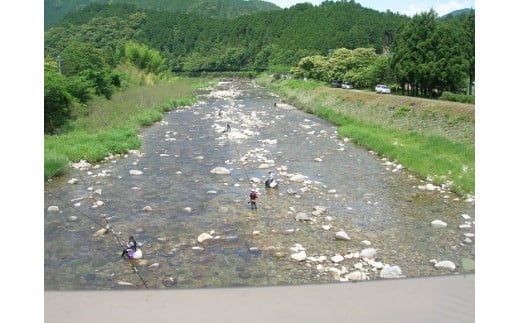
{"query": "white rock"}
(187, 209)
(355, 276)
(438, 224)
(101, 232)
(391, 272)
(428, 187)
(301, 216)
(98, 204)
(325, 227)
(337, 258)
(73, 181)
(366, 243)
(299, 256)
(135, 172)
(297, 178)
(53, 208)
(466, 217)
(342, 235)
(465, 226)
(122, 283)
(204, 236)
(147, 208)
(445, 264)
(220, 171)
(368, 253)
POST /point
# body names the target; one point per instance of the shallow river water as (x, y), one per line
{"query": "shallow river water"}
(167, 194)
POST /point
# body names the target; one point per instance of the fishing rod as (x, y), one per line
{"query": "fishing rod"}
(134, 267)
(106, 226)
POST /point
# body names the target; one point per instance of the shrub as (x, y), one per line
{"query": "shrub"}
(56, 104)
(463, 98)
(402, 111)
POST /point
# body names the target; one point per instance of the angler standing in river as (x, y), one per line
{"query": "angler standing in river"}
(253, 196)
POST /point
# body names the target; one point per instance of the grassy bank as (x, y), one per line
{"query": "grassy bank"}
(112, 126)
(434, 139)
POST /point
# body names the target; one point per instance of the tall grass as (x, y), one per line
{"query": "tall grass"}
(112, 126)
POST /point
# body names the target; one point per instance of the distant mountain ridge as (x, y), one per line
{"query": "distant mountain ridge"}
(457, 12)
(55, 10)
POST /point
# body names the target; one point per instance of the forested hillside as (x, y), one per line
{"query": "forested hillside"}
(422, 56)
(252, 42)
(54, 10)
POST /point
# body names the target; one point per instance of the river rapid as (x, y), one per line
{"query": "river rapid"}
(339, 214)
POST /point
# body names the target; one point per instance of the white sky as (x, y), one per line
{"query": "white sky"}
(407, 7)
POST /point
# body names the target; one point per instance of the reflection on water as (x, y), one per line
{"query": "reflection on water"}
(178, 197)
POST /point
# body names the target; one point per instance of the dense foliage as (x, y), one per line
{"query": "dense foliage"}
(341, 40)
(428, 56)
(431, 54)
(194, 44)
(56, 9)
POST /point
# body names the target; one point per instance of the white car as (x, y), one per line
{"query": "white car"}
(381, 88)
(347, 85)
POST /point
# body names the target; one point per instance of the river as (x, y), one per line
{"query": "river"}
(197, 229)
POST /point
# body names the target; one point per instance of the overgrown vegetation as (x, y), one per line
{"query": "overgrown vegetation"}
(449, 96)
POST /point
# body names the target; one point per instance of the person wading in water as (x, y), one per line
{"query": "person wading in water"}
(253, 195)
(131, 247)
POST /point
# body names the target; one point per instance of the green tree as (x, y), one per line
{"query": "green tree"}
(78, 57)
(57, 102)
(315, 67)
(431, 54)
(143, 57)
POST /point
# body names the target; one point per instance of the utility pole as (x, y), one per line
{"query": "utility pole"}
(59, 64)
